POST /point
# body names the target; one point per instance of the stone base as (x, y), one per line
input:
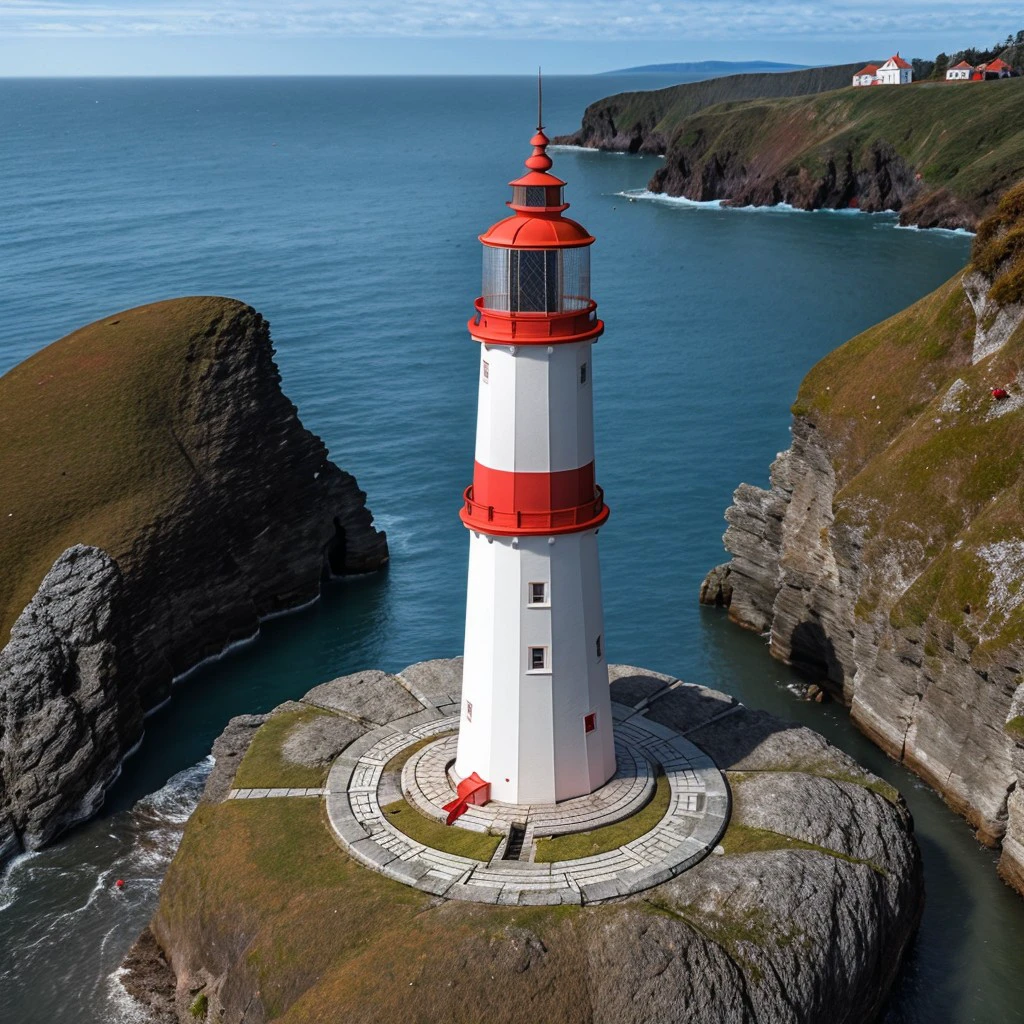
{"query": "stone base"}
(695, 820)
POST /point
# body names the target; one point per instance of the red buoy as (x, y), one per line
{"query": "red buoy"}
(1000, 393)
(119, 883)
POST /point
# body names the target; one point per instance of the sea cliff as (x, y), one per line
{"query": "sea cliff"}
(804, 912)
(160, 498)
(940, 154)
(886, 560)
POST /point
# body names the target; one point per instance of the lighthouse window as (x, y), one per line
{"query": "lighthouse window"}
(590, 722)
(538, 593)
(538, 659)
(533, 280)
(487, 371)
(583, 373)
(600, 648)
(469, 711)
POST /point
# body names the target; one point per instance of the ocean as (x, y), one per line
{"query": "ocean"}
(346, 210)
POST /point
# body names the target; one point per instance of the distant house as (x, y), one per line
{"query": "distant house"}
(997, 68)
(895, 71)
(867, 75)
(960, 72)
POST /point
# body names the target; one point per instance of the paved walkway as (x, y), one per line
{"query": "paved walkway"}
(697, 815)
(257, 794)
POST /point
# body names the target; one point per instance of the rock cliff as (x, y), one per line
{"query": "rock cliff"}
(886, 560)
(927, 151)
(160, 497)
(803, 915)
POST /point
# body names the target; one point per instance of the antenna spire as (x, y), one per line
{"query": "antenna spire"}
(540, 101)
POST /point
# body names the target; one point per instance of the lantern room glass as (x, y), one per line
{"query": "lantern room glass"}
(536, 280)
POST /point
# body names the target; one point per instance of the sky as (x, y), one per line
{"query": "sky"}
(197, 37)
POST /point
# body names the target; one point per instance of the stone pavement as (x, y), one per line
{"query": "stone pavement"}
(256, 794)
(696, 818)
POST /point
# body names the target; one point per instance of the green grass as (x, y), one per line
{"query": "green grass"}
(740, 839)
(1015, 728)
(824, 770)
(91, 428)
(608, 837)
(447, 838)
(968, 140)
(199, 1006)
(260, 893)
(265, 767)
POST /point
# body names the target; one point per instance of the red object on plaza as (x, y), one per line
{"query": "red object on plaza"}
(1000, 393)
(472, 790)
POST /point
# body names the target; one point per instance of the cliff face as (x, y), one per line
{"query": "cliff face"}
(941, 155)
(803, 915)
(644, 122)
(161, 441)
(885, 560)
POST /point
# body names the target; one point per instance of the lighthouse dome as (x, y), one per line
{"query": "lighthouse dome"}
(536, 231)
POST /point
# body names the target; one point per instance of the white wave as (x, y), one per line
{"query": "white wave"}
(124, 1008)
(634, 194)
(579, 149)
(962, 232)
(9, 881)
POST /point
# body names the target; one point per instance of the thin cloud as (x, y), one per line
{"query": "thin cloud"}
(518, 19)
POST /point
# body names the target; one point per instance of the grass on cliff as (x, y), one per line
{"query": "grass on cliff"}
(259, 886)
(608, 837)
(435, 834)
(927, 461)
(89, 452)
(1015, 728)
(967, 139)
(740, 839)
(264, 765)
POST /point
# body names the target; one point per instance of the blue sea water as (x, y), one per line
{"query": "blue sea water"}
(346, 210)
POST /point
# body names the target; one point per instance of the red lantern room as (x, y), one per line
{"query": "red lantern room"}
(536, 280)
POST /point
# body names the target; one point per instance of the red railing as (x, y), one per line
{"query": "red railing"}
(488, 519)
(504, 327)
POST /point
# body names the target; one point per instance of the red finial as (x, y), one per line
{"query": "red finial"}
(539, 160)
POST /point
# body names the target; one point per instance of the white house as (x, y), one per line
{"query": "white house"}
(895, 71)
(868, 75)
(960, 72)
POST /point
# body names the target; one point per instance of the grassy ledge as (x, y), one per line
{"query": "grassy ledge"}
(1015, 728)
(747, 839)
(447, 839)
(608, 837)
(265, 767)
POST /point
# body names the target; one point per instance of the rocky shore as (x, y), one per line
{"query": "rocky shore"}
(166, 498)
(803, 914)
(885, 559)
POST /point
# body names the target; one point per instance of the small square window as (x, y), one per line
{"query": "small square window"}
(487, 370)
(590, 722)
(600, 647)
(538, 593)
(583, 373)
(538, 658)
(469, 711)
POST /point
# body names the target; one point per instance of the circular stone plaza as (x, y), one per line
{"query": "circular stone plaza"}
(663, 810)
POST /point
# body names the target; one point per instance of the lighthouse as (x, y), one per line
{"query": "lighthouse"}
(536, 721)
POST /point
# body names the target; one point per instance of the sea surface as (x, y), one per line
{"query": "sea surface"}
(346, 210)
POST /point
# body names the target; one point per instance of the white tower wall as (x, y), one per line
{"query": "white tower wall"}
(524, 730)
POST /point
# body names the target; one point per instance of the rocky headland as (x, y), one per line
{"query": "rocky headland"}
(887, 558)
(803, 914)
(938, 154)
(160, 497)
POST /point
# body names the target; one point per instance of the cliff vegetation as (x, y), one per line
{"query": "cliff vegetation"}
(159, 497)
(887, 559)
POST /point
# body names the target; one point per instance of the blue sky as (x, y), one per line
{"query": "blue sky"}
(52, 37)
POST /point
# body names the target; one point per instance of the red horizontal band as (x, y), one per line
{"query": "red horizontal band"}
(506, 503)
(533, 492)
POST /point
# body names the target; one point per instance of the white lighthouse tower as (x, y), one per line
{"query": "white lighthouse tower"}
(536, 714)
